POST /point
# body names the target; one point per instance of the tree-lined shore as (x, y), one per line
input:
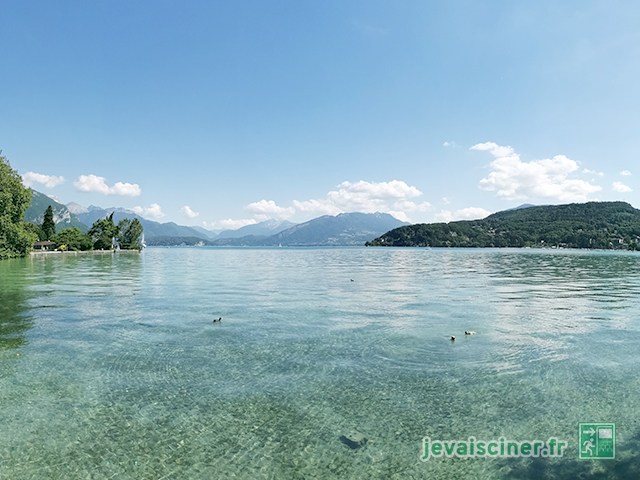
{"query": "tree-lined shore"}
(592, 225)
(18, 237)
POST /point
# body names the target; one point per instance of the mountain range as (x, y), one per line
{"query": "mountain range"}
(266, 228)
(343, 229)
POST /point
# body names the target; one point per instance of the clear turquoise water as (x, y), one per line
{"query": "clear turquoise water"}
(111, 367)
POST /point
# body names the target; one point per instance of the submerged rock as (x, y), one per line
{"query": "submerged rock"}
(354, 439)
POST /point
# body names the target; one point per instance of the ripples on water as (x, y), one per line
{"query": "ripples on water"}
(111, 367)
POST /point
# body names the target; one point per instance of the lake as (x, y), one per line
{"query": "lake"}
(111, 366)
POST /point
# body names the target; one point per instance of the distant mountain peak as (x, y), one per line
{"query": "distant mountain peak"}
(76, 208)
(262, 229)
(520, 207)
(353, 228)
(62, 216)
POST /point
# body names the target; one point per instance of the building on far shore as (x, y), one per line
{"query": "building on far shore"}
(45, 245)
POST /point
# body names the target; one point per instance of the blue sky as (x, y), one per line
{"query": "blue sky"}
(250, 110)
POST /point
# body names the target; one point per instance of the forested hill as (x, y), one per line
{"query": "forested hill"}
(602, 225)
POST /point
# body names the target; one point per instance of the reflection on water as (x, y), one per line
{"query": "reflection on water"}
(122, 373)
(15, 318)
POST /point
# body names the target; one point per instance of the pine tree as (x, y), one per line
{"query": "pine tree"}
(48, 225)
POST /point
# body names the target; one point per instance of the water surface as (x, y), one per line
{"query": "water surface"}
(111, 367)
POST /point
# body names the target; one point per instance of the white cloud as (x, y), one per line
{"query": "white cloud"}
(128, 189)
(268, 208)
(620, 187)
(235, 224)
(593, 172)
(449, 144)
(154, 211)
(50, 181)
(322, 207)
(469, 213)
(513, 179)
(393, 197)
(625, 172)
(495, 149)
(188, 212)
(93, 183)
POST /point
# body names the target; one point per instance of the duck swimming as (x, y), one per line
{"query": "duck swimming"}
(218, 320)
(469, 333)
(453, 339)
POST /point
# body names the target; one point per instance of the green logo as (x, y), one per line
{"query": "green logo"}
(597, 441)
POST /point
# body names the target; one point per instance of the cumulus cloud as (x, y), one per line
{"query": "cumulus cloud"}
(322, 207)
(620, 187)
(593, 172)
(469, 213)
(154, 211)
(625, 172)
(188, 212)
(93, 183)
(395, 198)
(235, 224)
(514, 179)
(50, 181)
(267, 208)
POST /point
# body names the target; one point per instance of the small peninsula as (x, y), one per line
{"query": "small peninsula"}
(592, 225)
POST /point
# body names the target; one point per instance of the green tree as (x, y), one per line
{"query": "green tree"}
(33, 228)
(15, 239)
(48, 225)
(74, 239)
(103, 232)
(129, 236)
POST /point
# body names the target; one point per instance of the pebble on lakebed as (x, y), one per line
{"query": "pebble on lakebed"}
(354, 439)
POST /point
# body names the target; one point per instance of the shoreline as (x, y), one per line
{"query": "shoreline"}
(85, 252)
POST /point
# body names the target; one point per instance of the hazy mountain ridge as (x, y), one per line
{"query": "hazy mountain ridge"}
(266, 228)
(344, 229)
(168, 241)
(209, 233)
